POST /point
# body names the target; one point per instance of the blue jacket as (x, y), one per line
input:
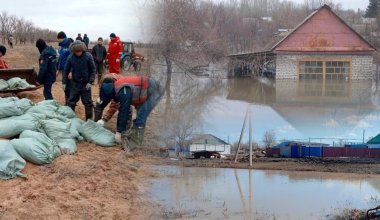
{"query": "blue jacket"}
(82, 69)
(48, 66)
(123, 97)
(64, 52)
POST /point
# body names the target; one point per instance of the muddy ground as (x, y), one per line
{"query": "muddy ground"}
(104, 183)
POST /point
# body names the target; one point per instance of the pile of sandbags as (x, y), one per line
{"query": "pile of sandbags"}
(45, 131)
(14, 83)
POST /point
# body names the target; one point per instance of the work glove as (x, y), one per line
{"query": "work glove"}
(101, 122)
(117, 60)
(118, 137)
(88, 86)
(64, 87)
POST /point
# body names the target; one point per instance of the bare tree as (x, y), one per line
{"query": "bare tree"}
(269, 138)
(22, 30)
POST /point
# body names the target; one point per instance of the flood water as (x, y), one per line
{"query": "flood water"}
(332, 112)
(218, 193)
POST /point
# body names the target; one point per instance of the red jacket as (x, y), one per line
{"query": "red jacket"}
(115, 49)
(3, 64)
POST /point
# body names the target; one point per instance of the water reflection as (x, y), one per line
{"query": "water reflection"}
(321, 111)
(215, 193)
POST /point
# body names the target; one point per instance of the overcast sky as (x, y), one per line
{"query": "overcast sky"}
(126, 18)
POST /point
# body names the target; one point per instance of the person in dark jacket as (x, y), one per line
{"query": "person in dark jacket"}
(140, 91)
(48, 67)
(80, 69)
(79, 37)
(64, 52)
(99, 52)
(86, 40)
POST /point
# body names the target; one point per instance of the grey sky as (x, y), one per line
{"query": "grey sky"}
(96, 18)
(126, 18)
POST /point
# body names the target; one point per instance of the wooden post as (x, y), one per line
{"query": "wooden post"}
(241, 135)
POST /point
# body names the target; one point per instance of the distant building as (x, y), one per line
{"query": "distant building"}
(322, 46)
(374, 142)
(209, 142)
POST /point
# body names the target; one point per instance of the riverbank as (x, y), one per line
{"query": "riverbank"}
(333, 165)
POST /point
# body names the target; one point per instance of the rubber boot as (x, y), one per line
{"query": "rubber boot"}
(88, 112)
(98, 113)
(66, 101)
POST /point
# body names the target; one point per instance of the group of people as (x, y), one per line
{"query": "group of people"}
(79, 69)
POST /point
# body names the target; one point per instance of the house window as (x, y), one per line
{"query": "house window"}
(311, 69)
(330, 70)
(337, 69)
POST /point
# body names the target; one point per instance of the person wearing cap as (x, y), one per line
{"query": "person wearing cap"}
(48, 67)
(64, 52)
(140, 91)
(115, 49)
(3, 64)
(80, 69)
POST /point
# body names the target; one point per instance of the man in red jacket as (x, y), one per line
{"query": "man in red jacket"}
(115, 49)
(3, 64)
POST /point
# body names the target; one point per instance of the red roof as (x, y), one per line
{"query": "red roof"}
(323, 31)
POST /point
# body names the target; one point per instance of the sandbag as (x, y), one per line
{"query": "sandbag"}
(13, 126)
(18, 83)
(76, 124)
(50, 144)
(66, 111)
(3, 85)
(32, 150)
(60, 131)
(97, 134)
(57, 129)
(14, 107)
(46, 107)
(11, 163)
(67, 146)
(8, 99)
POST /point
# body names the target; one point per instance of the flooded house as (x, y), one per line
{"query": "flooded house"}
(322, 47)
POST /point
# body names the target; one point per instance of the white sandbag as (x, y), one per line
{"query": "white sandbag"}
(17, 83)
(57, 129)
(11, 164)
(50, 144)
(3, 85)
(97, 134)
(67, 146)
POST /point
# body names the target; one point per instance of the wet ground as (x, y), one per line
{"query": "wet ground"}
(217, 193)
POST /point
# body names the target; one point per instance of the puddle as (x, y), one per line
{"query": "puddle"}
(218, 193)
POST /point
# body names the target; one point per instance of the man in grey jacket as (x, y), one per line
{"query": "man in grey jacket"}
(80, 69)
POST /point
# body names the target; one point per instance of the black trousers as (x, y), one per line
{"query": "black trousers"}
(79, 91)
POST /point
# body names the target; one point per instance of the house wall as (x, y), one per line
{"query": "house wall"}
(223, 149)
(287, 64)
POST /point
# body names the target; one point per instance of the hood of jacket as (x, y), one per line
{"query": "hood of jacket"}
(65, 43)
(49, 51)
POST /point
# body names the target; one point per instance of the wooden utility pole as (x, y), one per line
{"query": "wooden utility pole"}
(241, 135)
